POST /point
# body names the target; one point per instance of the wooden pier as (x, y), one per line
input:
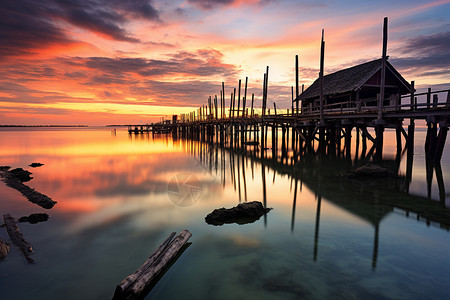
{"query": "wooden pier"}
(261, 133)
(368, 99)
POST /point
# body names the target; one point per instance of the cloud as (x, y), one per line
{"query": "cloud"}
(183, 78)
(204, 62)
(27, 25)
(213, 4)
(425, 55)
(426, 45)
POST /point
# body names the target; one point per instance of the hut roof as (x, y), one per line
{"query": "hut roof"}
(351, 79)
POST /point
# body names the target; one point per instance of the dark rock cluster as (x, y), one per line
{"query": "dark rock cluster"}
(244, 213)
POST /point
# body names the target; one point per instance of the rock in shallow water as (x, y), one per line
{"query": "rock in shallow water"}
(369, 170)
(35, 218)
(244, 213)
(34, 165)
(21, 174)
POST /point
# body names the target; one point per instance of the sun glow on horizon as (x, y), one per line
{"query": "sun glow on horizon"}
(170, 58)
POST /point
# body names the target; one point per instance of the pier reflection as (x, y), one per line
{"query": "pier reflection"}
(322, 170)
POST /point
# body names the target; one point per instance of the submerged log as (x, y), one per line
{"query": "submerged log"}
(137, 284)
(15, 179)
(4, 249)
(17, 238)
(244, 213)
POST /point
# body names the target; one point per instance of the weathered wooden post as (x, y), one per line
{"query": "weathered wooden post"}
(443, 129)
(239, 98)
(322, 54)
(296, 85)
(398, 134)
(231, 106)
(215, 105)
(435, 100)
(383, 69)
(244, 100)
(253, 99)
(379, 130)
(234, 101)
(412, 96)
(264, 95)
(292, 97)
(223, 104)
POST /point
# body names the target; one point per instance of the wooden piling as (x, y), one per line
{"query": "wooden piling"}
(443, 129)
(244, 100)
(383, 68)
(239, 98)
(296, 85)
(322, 54)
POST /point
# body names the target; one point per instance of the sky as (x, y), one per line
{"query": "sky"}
(99, 62)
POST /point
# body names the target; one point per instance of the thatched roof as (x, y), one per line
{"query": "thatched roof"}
(350, 79)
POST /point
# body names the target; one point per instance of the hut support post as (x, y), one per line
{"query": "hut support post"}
(379, 129)
(296, 84)
(443, 129)
(383, 69)
(322, 54)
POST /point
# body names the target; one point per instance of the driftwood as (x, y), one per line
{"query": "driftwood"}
(17, 238)
(136, 285)
(15, 178)
(244, 213)
(4, 249)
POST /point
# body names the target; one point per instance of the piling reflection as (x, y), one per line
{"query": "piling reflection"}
(321, 167)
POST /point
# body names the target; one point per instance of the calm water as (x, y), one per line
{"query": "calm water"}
(327, 237)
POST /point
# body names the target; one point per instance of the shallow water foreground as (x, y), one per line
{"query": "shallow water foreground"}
(120, 196)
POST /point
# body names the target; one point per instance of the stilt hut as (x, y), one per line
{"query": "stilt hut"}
(355, 89)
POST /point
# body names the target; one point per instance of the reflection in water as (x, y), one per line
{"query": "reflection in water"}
(322, 171)
(322, 239)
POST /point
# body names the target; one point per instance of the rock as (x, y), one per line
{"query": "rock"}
(35, 218)
(370, 171)
(21, 174)
(4, 168)
(4, 249)
(244, 213)
(34, 165)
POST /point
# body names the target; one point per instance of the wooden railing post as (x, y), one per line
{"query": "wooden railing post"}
(412, 96)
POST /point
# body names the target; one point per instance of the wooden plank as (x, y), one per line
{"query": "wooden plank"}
(136, 284)
(4, 249)
(129, 280)
(17, 238)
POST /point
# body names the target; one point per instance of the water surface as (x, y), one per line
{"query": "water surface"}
(326, 237)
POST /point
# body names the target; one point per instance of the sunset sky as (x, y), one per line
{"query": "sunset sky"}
(99, 62)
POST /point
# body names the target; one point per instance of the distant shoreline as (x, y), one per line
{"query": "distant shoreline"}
(43, 125)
